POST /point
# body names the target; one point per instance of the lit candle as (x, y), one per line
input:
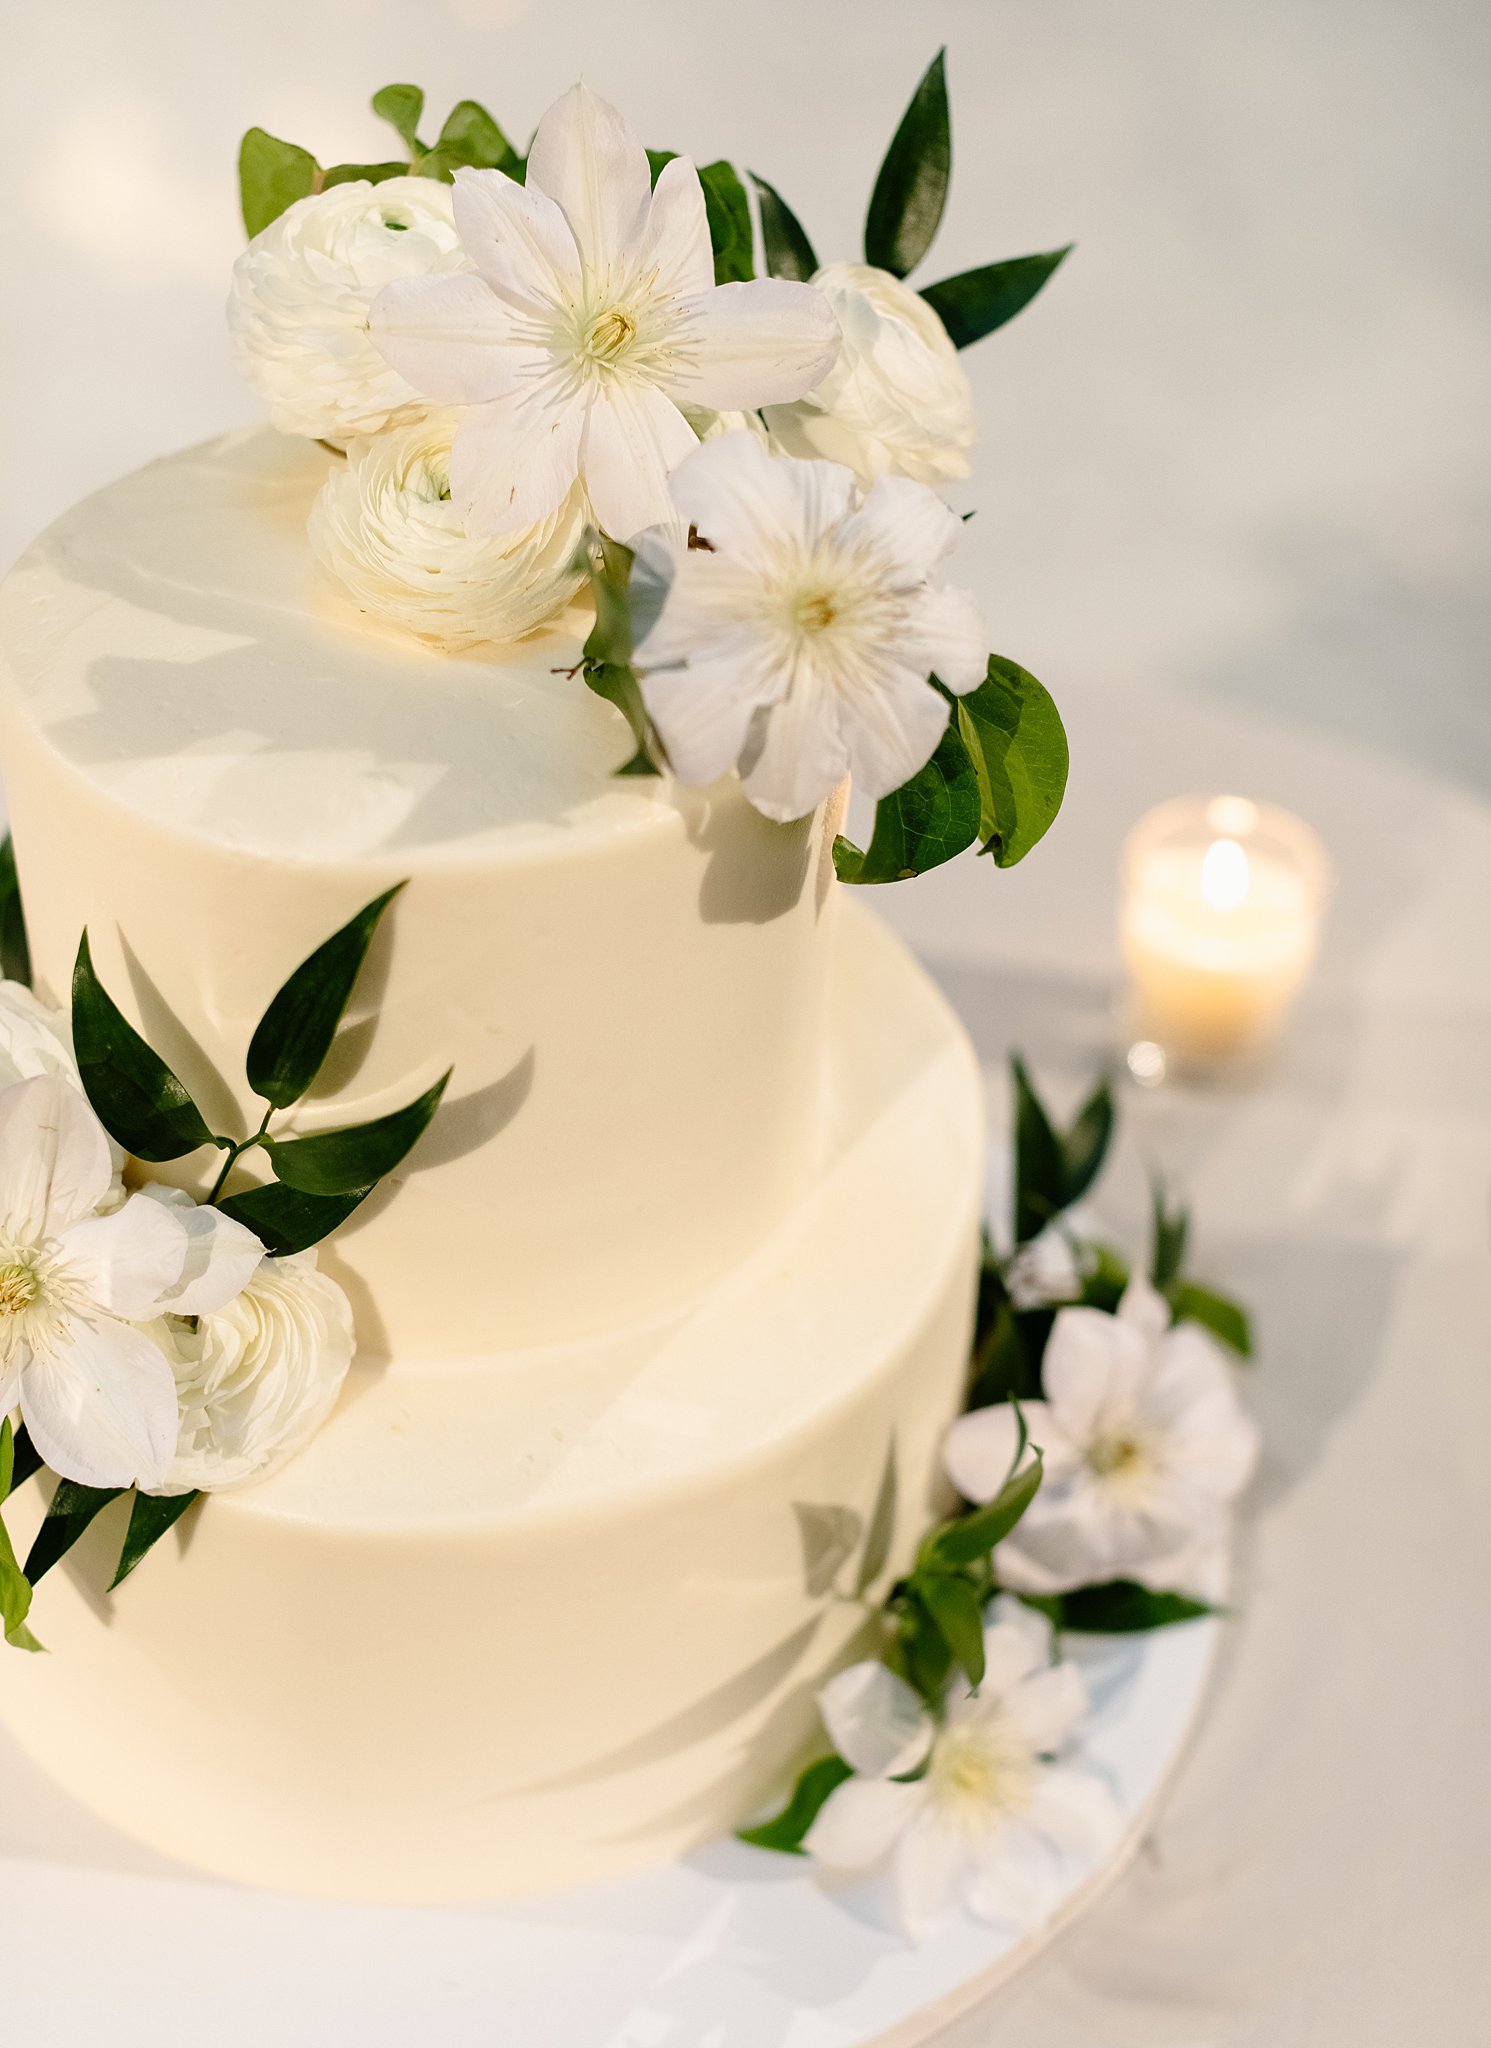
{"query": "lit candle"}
(1222, 902)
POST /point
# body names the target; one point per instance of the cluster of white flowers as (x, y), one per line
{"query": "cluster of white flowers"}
(506, 364)
(145, 1340)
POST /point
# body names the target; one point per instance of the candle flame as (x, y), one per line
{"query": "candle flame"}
(1224, 875)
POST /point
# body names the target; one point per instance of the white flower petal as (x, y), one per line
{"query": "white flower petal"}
(1047, 1706)
(891, 724)
(1091, 1360)
(906, 522)
(704, 711)
(675, 245)
(130, 1263)
(945, 636)
(1144, 1307)
(586, 157)
(515, 461)
(1012, 1651)
(750, 344)
(802, 758)
(1075, 1811)
(221, 1255)
(101, 1406)
(979, 1448)
(453, 339)
(931, 1864)
(55, 1164)
(875, 1720)
(861, 1821)
(634, 436)
(746, 502)
(1015, 1878)
(518, 239)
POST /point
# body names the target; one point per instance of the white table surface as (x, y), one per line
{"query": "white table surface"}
(1233, 508)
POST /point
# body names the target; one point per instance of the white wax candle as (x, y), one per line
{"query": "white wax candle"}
(1220, 923)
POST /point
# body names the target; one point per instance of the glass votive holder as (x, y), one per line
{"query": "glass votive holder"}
(1222, 902)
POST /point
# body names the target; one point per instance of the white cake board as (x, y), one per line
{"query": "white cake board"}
(733, 1948)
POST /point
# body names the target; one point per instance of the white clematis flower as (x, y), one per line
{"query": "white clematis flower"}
(797, 646)
(257, 1378)
(991, 1822)
(386, 530)
(591, 319)
(898, 401)
(1145, 1442)
(33, 1038)
(298, 309)
(95, 1393)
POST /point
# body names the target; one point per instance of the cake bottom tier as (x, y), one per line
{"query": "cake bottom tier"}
(534, 1619)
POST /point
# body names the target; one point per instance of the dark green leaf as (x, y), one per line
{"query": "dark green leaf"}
(927, 821)
(1103, 1285)
(1119, 1608)
(15, 1587)
(138, 1099)
(357, 1156)
(729, 214)
(15, 951)
(608, 650)
(1172, 1227)
(471, 136)
(809, 1795)
(1225, 1318)
(1002, 1365)
(150, 1518)
(956, 1608)
(271, 176)
(911, 190)
(294, 1035)
(286, 1221)
(1014, 735)
(919, 1653)
(787, 250)
(1040, 1168)
(1085, 1145)
(374, 174)
(401, 106)
(974, 1535)
(975, 302)
(656, 159)
(28, 1461)
(72, 1511)
(880, 1532)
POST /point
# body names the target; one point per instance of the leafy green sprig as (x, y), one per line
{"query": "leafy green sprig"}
(905, 212)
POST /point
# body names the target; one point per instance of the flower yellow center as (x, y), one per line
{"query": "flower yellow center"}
(981, 1770)
(19, 1288)
(1112, 1456)
(610, 335)
(815, 611)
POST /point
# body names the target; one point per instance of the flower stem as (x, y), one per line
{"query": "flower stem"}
(235, 1149)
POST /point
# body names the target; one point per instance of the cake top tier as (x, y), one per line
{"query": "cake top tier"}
(174, 641)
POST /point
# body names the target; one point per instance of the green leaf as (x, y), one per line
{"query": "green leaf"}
(911, 190)
(374, 174)
(1103, 1286)
(656, 160)
(285, 1220)
(357, 1156)
(73, 1510)
(28, 1462)
(927, 821)
(471, 137)
(974, 1535)
(294, 1035)
(150, 1518)
(607, 667)
(787, 250)
(809, 1795)
(1002, 1367)
(1171, 1229)
(619, 686)
(271, 176)
(15, 950)
(401, 106)
(1015, 738)
(15, 1587)
(1040, 1165)
(1225, 1318)
(138, 1099)
(954, 1605)
(729, 214)
(975, 302)
(1118, 1608)
(1085, 1145)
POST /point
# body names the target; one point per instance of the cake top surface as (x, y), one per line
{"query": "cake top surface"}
(172, 638)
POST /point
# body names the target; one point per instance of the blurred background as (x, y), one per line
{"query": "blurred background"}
(1233, 504)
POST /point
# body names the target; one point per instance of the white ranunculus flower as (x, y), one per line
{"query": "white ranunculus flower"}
(897, 402)
(298, 309)
(385, 529)
(1145, 1443)
(591, 319)
(95, 1393)
(798, 644)
(991, 1822)
(256, 1379)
